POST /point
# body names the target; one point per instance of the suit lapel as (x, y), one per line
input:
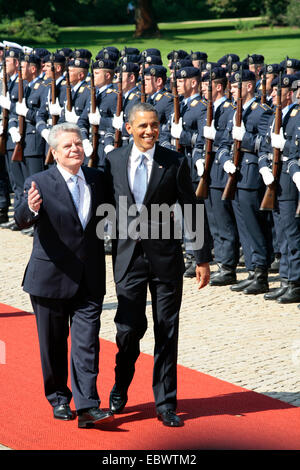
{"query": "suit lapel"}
(158, 170)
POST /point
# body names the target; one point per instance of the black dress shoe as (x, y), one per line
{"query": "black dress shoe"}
(117, 400)
(88, 418)
(63, 412)
(241, 285)
(170, 418)
(224, 277)
(291, 295)
(277, 292)
(8, 224)
(15, 228)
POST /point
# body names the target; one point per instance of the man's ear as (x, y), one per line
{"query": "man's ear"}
(128, 127)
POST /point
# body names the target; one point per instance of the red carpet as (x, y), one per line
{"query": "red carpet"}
(217, 414)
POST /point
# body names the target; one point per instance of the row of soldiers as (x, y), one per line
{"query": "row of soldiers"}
(230, 118)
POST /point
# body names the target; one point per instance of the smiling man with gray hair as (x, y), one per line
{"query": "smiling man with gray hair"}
(65, 276)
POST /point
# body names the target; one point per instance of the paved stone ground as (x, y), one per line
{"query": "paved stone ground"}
(241, 339)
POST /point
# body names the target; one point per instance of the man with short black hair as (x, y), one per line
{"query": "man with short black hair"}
(149, 175)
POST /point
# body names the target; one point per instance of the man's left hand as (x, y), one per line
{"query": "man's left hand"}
(202, 275)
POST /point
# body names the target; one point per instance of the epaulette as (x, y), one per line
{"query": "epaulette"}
(254, 105)
(63, 82)
(294, 112)
(81, 89)
(203, 101)
(265, 106)
(168, 94)
(36, 85)
(132, 95)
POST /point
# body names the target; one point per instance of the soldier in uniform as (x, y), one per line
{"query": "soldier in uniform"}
(4, 181)
(131, 96)
(158, 96)
(106, 102)
(32, 142)
(11, 57)
(192, 116)
(253, 226)
(272, 71)
(288, 185)
(198, 58)
(47, 108)
(80, 93)
(290, 66)
(220, 213)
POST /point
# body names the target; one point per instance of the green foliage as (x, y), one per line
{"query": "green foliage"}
(293, 13)
(275, 11)
(28, 28)
(234, 8)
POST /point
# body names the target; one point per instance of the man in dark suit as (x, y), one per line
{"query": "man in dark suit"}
(65, 276)
(148, 175)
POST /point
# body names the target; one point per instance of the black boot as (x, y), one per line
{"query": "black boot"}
(224, 277)
(3, 216)
(191, 270)
(291, 295)
(277, 292)
(259, 285)
(242, 284)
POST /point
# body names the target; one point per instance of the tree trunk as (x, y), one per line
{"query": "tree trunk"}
(146, 25)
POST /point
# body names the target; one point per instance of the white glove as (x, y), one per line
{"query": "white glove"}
(94, 118)
(229, 167)
(5, 101)
(87, 147)
(71, 116)
(118, 121)
(200, 167)
(238, 132)
(296, 179)
(267, 175)
(1, 129)
(277, 140)
(209, 132)
(55, 109)
(15, 134)
(45, 134)
(108, 148)
(176, 129)
(21, 108)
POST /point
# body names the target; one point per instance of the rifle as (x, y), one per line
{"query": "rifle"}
(202, 189)
(268, 202)
(175, 98)
(143, 94)
(5, 112)
(68, 89)
(230, 188)
(263, 99)
(95, 135)
(229, 63)
(118, 133)
(17, 155)
(49, 157)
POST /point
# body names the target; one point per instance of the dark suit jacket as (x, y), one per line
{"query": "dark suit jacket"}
(63, 254)
(170, 182)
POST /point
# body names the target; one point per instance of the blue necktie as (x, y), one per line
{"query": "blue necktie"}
(75, 191)
(140, 181)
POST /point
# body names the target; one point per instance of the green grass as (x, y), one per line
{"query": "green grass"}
(215, 38)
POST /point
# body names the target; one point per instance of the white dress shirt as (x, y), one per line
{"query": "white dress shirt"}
(134, 161)
(84, 211)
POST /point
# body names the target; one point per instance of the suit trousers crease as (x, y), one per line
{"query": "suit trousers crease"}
(55, 318)
(131, 324)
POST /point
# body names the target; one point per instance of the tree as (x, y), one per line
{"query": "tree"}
(146, 25)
